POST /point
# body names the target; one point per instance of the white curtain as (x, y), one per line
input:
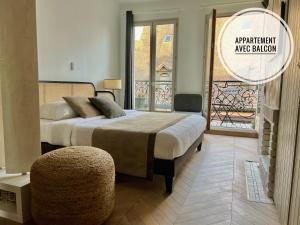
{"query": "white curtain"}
(19, 85)
(2, 159)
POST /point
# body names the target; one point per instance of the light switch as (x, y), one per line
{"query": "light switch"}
(71, 66)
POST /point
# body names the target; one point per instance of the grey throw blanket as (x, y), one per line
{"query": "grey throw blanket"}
(131, 141)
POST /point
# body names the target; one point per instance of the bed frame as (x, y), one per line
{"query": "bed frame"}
(53, 91)
(168, 168)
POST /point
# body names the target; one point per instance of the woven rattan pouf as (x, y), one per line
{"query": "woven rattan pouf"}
(73, 186)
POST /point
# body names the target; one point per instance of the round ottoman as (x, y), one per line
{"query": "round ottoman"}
(73, 186)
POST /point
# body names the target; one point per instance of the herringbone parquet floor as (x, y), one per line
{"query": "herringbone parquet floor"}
(210, 190)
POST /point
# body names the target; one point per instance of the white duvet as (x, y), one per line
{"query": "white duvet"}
(171, 142)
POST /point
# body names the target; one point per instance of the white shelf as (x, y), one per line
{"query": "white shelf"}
(20, 186)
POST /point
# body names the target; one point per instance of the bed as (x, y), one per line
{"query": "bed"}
(173, 145)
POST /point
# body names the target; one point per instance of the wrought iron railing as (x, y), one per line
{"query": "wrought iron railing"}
(234, 102)
(142, 95)
(162, 98)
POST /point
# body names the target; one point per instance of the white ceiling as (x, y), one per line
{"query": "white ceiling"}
(138, 1)
(207, 1)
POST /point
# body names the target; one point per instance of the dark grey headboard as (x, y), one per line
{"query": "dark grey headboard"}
(188, 102)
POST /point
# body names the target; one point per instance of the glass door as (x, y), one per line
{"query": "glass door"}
(209, 64)
(163, 78)
(142, 66)
(154, 65)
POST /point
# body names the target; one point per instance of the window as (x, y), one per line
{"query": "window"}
(154, 65)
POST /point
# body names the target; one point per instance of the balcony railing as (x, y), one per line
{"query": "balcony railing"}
(163, 95)
(234, 104)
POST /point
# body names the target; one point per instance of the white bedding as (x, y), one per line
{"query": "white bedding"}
(170, 143)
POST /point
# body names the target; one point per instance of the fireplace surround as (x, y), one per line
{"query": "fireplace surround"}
(268, 147)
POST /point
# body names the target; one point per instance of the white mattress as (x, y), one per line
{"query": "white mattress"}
(171, 142)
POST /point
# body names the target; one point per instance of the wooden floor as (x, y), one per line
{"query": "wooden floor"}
(209, 191)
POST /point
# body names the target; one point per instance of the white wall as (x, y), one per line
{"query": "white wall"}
(85, 32)
(191, 34)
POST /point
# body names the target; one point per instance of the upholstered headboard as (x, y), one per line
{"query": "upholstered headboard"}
(188, 102)
(53, 91)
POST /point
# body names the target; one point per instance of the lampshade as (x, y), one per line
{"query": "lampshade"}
(112, 84)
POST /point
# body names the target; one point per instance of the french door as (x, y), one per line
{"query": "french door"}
(209, 65)
(154, 65)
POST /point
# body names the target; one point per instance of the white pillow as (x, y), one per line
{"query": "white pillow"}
(56, 111)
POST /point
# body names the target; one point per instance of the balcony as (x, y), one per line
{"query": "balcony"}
(163, 96)
(234, 105)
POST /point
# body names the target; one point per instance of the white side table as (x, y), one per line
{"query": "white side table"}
(15, 197)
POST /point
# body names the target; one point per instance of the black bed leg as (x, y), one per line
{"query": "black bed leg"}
(199, 147)
(169, 184)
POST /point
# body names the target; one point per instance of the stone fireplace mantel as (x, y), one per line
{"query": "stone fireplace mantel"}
(268, 148)
(271, 114)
